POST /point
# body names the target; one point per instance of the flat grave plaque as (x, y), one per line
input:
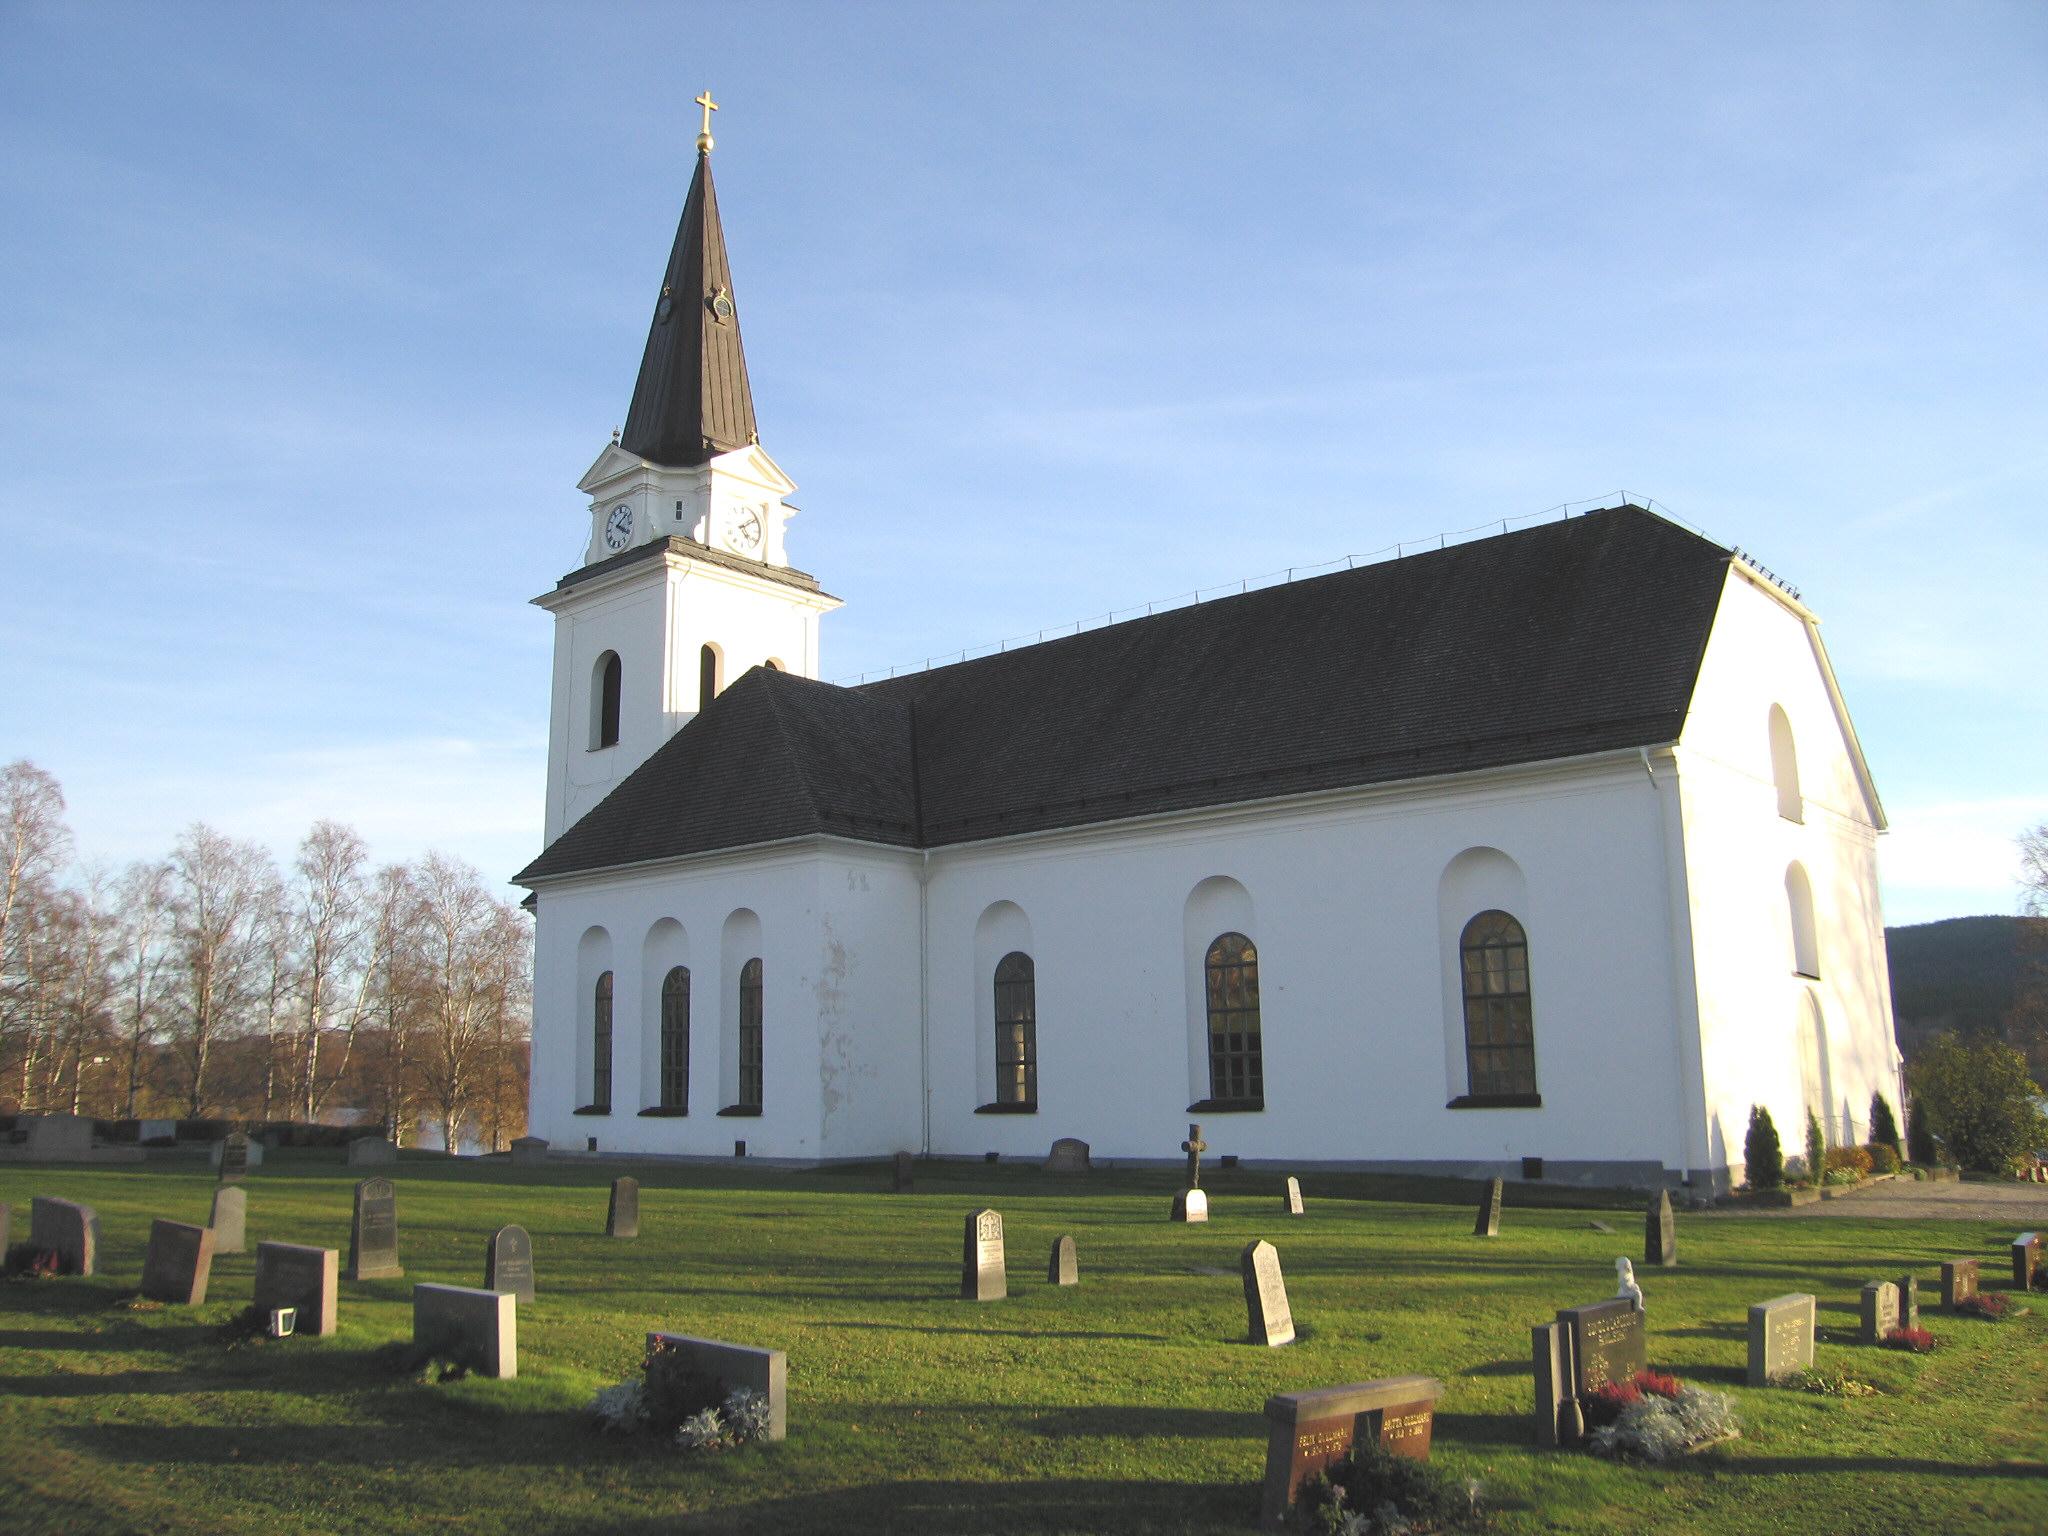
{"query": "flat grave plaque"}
(373, 1235)
(290, 1275)
(1487, 1223)
(1879, 1313)
(229, 1219)
(1660, 1233)
(762, 1371)
(982, 1273)
(1265, 1296)
(1307, 1431)
(481, 1325)
(70, 1229)
(622, 1216)
(1780, 1338)
(2026, 1258)
(1062, 1268)
(508, 1263)
(1958, 1282)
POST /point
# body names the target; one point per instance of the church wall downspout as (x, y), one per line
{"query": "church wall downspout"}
(924, 949)
(1688, 1085)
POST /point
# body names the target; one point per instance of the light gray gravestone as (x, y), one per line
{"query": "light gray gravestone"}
(529, 1151)
(1069, 1155)
(373, 1235)
(1780, 1338)
(903, 1174)
(57, 1138)
(2026, 1258)
(483, 1325)
(234, 1157)
(508, 1263)
(1603, 1342)
(982, 1274)
(1660, 1233)
(1958, 1282)
(371, 1151)
(1879, 1312)
(1909, 1301)
(289, 1275)
(147, 1131)
(622, 1215)
(1062, 1268)
(229, 1220)
(1307, 1431)
(1191, 1204)
(762, 1371)
(1487, 1223)
(178, 1264)
(1291, 1201)
(1265, 1296)
(70, 1230)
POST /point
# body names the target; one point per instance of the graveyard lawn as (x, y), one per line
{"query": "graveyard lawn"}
(1128, 1403)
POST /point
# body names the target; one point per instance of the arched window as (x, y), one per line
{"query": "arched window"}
(1805, 939)
(750, 1034)
(601, 1045)
(1016, 1030)
(604, 701)
(1785, 767)
(675, 1039)
(707, 676)
(1237, 1070)
(1500, 1035)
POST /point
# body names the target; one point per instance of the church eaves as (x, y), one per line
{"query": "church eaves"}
(691, 401)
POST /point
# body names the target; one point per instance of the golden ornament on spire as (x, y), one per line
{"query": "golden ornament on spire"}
(704, 135)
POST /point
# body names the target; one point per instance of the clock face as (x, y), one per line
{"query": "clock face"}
(618, 527)
(721, 305)
(743, 527)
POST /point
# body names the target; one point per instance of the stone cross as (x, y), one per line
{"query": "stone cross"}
(1780, 1338)
(1660, 1235)
(1487, 1223)
(1265, 1296)
(1194, 1146)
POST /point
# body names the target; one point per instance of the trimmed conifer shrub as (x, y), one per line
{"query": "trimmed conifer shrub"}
(1884, 1130)
(1816, 1148)
(1919, 1136)
(1762, 1154)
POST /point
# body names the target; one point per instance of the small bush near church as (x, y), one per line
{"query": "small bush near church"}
(1920, 1148)
(1852, 1160)
(1763, 1157)
(1883, 1158)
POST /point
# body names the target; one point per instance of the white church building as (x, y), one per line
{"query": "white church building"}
(1546, 854)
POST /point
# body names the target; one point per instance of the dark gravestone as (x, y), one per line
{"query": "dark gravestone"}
(1555, 1402)
(765, 1372)
(1879, 1317)
(2026, 1258)
(1487, 1223)
(529, 1152)
(179, 1261)
(6, 1228)
(229, 1219)
(1068, 1156)
(369, 1151)
(1958, 1282)
(622, 1216)
(288, 1275)
(904, 1175)
(1265, 1296)
(1291, 1201)
(234, 1159)
(67, 1229)
(1307, 1431)
(508, 1262)
(1909, 1301)
(1780, 1338)
(373, 1236)
(1062, 1269)
(1605, 1342)
(479, 1327)
(982, 1274)
(1660, 1235)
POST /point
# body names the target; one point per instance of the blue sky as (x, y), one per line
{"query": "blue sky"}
(314, 314)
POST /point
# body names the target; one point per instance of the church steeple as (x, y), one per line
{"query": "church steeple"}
(692, 401)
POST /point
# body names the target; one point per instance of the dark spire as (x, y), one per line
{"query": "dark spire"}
(692, 401)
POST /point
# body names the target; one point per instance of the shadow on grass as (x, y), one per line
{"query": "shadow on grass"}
(1117, 1423)
(1705, 1331)
(1499, 1368)
(1008, 1333)
(1482, 1428)
(1779, 1466)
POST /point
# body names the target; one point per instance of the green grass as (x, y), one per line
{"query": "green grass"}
(1129, 1404)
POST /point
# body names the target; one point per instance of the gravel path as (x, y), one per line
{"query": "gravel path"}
(2021, 1206)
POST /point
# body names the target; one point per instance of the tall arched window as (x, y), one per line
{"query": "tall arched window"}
(750, 1034)
(1016, 1030)
(1805, 938)
(1237, 1069)
(601, 1045)
(604, 701)
(675, 1039)
(1785, 767)
(1500, 1035)
(707, 676)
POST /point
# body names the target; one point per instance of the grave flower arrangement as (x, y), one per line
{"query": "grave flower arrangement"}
(33, 1263)
(684, 1406)
(1917, 1340)
(1985, 1304)
(1657, 1417)
(1372, 1492)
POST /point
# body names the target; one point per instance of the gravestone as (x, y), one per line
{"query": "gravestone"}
(70, 1230)
(529, 1151)
(178, 1264)
(6, 1229)
(2026, 1258)
(1556, 1409)
(1191, 1204)
(288, 1275)
(1909, 1301)
(1291, 1201)
(1880, 1312)
(55, 1138)
(1265, 1296)
(371, 1151)
(1307, 1431)
(904, 1174)
(622, 1216)
(508, 1263)
(481, 1326)
(762, 1371)
(1780, 1338)
(1660, 1234)
(982, 1274)
(1068, 1156)
(1062, 1269)
(229, 1219)
(373, 1235)
(147, 1131)
(1603, 1342)
(1958, 1282)
(233, 1156)
(1487, 1223)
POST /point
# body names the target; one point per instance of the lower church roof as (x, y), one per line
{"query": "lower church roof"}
(1573, 637)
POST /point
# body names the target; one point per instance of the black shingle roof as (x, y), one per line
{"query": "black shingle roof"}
(1578, 636)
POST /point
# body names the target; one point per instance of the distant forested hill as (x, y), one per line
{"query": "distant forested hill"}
(1963, 973)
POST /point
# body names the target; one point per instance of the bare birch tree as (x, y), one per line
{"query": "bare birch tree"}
(218, 887)
(33, 844)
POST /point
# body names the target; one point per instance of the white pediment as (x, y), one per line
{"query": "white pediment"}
(611, 464)
(753, 465)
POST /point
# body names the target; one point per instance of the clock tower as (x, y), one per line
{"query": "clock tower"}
(685, 581)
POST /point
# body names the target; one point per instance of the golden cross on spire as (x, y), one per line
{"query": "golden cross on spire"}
(704, 136)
